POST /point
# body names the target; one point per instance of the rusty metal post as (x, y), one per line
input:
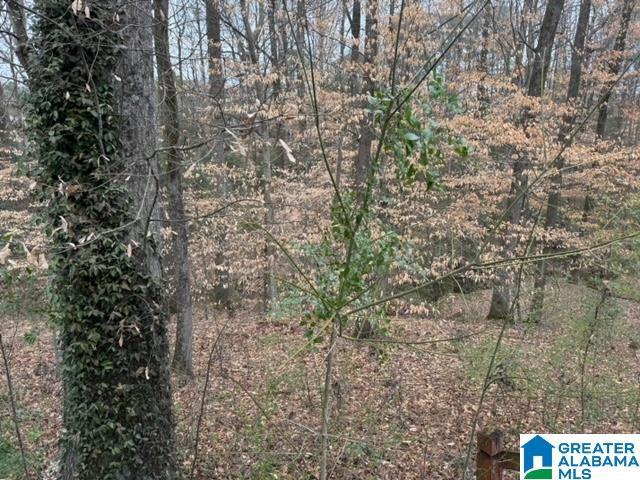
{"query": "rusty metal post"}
(488, 458)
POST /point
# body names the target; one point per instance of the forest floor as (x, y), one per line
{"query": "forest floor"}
(401, 411)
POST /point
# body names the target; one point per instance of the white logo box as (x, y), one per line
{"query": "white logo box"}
(580, 457)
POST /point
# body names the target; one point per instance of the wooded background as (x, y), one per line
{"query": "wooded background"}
(313, 238)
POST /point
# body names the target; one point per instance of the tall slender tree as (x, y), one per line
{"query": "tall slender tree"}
(181, 269)
(355, 26)
(614, 64)
(555, 192)
(214, 48)
(501, 300)
(363, 158)
(19, 26)
(213, 14)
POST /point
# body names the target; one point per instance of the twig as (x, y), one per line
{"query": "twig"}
(14, 411)
(204, 395)
(583, 363)
(326, 402)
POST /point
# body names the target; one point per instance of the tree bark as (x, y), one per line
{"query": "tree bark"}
(3, 112)
(203, 58)
(91, 84)
(363, 158)
(222, 290)
(614, 64)
(542, 54)
(263, 165)
(270, 291)
(214, 49)
(181, 269)
(355, 46)
(525, 32)
(273, 46)
(252, 48)
(301, 14)
(19, 25)
(137, 110)
(268, 280)
(483, 63)
(366, 328)
(342, 32)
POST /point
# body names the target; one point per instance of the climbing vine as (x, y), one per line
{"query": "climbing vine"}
(104, 300)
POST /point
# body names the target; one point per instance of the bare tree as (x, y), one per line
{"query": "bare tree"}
(182, 356)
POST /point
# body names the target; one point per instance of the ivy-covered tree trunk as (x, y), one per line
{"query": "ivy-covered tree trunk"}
(93, 113)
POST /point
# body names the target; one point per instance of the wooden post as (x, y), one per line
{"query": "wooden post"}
(490, 448)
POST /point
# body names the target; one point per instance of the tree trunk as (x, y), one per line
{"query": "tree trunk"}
(366, 328)
(182, 356)
(214, 49)
(101, 191)
(268, 280)
(613, 70)
(202, 60)
(555, 193)
(483, 63)
(614, 64)
(501, 299)
(249, 33)
(524, 29)
(153, 427)
(3, 112)
(19, 25)
(273, 46)
(264, 166)
(301, 16)
(544, 47)
(363, 158)
(222, 290)
(355, 46)
(342, 33)
(500, 308)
